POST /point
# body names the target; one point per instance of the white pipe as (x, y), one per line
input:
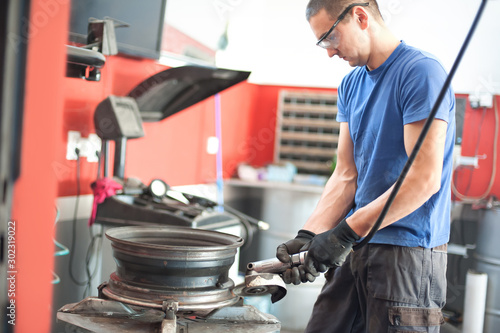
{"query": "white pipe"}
(475, 301)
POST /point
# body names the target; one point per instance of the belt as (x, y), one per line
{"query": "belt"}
(441, 248)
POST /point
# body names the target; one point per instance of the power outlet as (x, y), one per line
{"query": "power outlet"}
(481, 101)
(88, 147)
(212, 145)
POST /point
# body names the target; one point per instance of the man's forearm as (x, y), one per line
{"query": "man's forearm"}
(335, 202)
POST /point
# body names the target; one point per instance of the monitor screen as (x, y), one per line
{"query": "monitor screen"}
(142, 38)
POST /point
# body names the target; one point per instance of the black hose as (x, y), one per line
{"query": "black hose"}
(74, 225)
(248, 223)
(424, 132)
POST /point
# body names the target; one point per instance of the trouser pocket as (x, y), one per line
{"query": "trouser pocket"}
(409, 275)
(396, 273)
(409, 319)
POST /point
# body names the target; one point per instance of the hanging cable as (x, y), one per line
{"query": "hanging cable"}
(469, 167)
(474, 199)
(94, 246)
(424, 132)
(75, 219)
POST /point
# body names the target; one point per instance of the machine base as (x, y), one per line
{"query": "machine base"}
(99, 315)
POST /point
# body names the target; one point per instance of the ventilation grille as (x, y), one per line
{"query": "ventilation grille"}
(307, 132)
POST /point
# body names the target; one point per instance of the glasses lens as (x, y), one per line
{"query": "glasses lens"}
(331, 41)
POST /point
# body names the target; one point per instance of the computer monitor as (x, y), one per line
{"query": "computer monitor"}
(143, 36)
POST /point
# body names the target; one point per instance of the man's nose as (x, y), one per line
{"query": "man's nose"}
(331, 52)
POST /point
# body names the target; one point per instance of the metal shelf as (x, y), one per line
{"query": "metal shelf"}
(307, 132)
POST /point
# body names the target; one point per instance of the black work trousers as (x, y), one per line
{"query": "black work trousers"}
(383, 288)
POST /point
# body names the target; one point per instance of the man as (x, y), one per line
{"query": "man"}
(396, 283)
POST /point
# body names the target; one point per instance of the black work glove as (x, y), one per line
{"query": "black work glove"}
(330, 248)
(296, 275)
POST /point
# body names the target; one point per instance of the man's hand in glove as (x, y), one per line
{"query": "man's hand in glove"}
(296, 275)
(330, 248)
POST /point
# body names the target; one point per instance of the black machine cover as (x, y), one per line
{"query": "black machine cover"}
(175, 89)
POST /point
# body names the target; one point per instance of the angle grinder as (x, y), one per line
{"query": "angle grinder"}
(263, 277)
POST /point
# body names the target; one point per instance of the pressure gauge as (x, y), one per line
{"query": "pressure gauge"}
(158, 188)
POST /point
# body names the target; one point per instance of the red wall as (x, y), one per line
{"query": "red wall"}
(35, 191)
(478, 139)
(173, 149)
(81, 97)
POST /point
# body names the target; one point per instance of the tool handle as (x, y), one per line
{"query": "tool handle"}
(274, 265)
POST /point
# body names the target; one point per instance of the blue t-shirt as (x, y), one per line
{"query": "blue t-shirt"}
(376, 105)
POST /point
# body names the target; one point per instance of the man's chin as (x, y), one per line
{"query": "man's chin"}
(351, 63)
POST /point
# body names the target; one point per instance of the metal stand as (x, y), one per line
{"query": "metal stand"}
(169, 324)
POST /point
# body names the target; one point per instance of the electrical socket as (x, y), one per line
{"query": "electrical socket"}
(89, 147)
(73, 139)
(212, 145)
(486, 100)
(481, 101)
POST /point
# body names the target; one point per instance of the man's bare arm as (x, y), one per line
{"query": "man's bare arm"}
(338, 196)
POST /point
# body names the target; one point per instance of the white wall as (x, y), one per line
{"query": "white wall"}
(273, 40)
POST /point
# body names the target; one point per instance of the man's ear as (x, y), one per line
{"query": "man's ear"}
(361, 16)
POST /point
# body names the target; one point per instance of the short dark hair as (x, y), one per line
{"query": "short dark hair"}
(335, 7)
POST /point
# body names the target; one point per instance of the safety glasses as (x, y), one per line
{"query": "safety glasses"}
(331, 39)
